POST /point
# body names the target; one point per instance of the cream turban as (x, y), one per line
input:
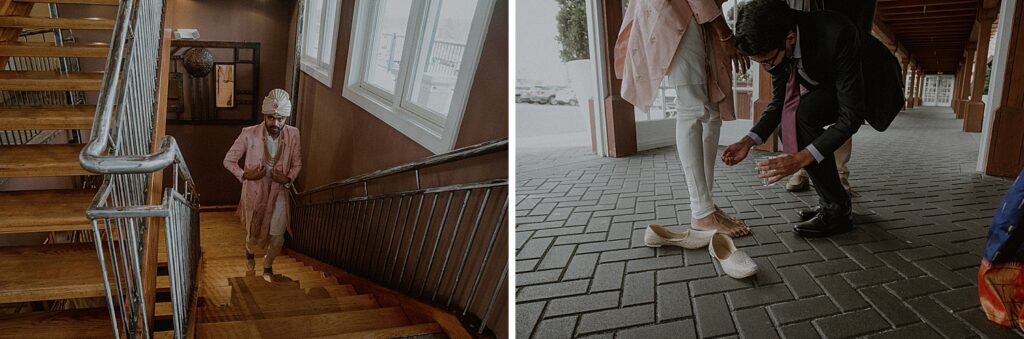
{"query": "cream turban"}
(277, 102)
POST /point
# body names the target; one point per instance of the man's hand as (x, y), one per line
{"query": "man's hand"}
(784, 165)
(255, 174)
(279, 177)
(737, 151)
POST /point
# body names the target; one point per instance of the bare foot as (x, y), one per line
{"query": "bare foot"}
(721, 223)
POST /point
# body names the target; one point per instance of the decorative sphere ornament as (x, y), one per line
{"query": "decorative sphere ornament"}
(198, 62)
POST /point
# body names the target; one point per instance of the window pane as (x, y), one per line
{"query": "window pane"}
(445, 36)
(314, 19)
(388, 36)
(330, 11)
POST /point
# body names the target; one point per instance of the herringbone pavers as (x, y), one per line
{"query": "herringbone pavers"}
(907, 270)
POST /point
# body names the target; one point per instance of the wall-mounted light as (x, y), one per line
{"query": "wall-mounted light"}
(186, 34)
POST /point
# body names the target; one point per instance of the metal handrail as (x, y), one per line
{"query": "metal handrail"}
(415, 241)
(121, 215)
(459, 154)
(92, 157)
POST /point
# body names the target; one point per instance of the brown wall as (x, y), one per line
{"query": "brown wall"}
(266, 22)
(341, 140)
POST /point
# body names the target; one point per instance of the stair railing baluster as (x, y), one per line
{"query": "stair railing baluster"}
(419, 252)
(487, 256)
(451, 244)
(437, 241)
(412, 236)
(469, 246)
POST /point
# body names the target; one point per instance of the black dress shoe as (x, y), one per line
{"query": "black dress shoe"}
(823, 226)
(807, 214)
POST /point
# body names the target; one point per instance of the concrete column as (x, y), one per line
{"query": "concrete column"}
(1005, 155)
(956, 87)
(906, 63)
(963, 96)
(620, 122)
(976, 107)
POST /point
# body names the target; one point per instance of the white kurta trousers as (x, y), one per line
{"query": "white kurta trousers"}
(698, 122)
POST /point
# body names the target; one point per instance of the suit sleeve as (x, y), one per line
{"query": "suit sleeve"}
(850, 94)
(704, 11)
(772, 115)
(235, 153)
(296, 160)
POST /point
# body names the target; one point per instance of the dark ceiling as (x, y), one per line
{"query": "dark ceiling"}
(934, 32)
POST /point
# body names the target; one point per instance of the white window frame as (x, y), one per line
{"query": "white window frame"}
(432, 131)
(321, 67)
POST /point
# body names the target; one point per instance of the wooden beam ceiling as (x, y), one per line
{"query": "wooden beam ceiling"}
(933, 33)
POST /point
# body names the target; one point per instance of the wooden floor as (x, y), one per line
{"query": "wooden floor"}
(298, 302)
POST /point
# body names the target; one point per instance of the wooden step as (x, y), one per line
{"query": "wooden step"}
(50, 49)
(307, 326)
(69, 23)
(79, 323)
(83, 2)
(306, 279)
(163, 310)
(49, 272)
(163, 283)
(221, 295)
(44, 210)
(46, 117)
(45, 160)
(391, 332)
(50, 80)
(288, 309)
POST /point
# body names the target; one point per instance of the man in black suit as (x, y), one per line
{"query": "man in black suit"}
(817, 99)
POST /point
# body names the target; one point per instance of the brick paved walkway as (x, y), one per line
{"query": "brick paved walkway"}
(908, 270)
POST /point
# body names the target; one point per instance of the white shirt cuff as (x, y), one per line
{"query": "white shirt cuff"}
(757, 139)
(814, 151)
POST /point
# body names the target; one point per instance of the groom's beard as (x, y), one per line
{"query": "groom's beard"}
(274, 131)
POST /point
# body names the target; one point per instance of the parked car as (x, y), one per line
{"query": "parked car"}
(522, 94)
(552, 95)
(564, 96)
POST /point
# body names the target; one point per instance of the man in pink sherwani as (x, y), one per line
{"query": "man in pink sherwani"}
(272, 161)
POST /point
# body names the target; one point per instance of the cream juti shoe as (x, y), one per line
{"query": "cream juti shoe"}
(735, 263)
(657, 236)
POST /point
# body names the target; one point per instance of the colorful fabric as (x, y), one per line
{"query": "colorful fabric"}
(1001, 290)
(1001, 276)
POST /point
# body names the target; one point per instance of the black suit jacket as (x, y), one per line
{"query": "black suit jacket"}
(830, 51)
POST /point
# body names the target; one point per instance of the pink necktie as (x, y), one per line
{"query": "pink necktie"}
(789, 112)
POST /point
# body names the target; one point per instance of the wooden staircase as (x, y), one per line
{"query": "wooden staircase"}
(34, 274)
(298, 302)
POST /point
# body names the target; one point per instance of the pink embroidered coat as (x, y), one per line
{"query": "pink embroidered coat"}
(256, 203)
(648, 39)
